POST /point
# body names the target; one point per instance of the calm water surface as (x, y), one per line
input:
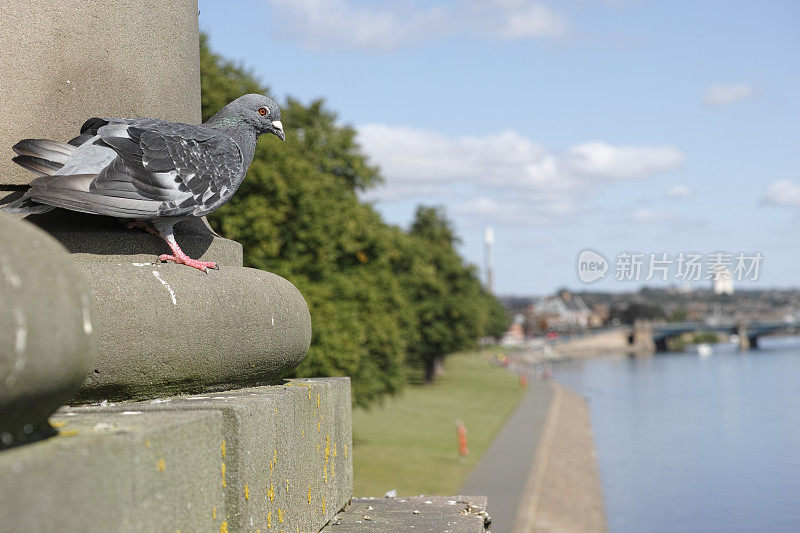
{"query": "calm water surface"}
(687, 443)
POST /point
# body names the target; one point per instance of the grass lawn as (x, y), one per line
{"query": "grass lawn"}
(410, 442)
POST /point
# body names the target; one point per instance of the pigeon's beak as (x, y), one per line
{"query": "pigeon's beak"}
(277, 125)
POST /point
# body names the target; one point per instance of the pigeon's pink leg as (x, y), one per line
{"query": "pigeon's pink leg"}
(181, 258)
(177, 254)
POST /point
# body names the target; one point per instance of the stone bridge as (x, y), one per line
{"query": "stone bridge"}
(655, 336)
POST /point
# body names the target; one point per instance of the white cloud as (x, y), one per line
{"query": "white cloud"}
(783, 193)
(533, 21)
(649, 216)
(503, 176)
(324, 22)
(344, 24)
(718, 95)
(606, 161)
(680, 192)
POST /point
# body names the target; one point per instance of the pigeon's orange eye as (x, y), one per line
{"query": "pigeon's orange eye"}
(262, 111)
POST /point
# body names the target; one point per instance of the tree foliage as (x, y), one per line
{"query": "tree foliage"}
(378, 296)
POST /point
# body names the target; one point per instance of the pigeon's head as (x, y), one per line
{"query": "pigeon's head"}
(260, 112)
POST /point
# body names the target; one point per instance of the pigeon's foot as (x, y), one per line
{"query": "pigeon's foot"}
(184, 259)
(178, 257)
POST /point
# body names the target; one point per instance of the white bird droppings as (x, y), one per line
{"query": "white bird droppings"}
(87, 315)
(164, 283)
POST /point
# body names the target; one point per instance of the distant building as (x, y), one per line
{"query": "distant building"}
(562, 312)
(515, 335)
(722, 281)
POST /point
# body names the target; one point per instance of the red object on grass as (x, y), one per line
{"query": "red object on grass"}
(463, 451)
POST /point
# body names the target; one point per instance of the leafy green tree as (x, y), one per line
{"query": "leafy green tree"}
(375, 293)
(451, 306)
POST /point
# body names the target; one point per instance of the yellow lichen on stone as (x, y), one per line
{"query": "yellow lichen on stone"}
(287, 484)
(309, 494)
(334, 449)
(58, 424)
(246, 492)
(161, 465)
(222, 469)
(223, 527)
(323, 505)
(345, 451)
(146, 443)
(325, 473)
(317, 400)
(222, 447)
(68, 433)
(280, 516)
(269, 519)
(271, 492)
(214, 512)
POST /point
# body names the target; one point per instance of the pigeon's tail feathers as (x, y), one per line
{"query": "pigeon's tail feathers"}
(26, 206)
(37, 165)
(73, 192)
(42, 156)
(54, 151)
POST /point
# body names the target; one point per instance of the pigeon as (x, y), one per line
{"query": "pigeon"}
(148, 172)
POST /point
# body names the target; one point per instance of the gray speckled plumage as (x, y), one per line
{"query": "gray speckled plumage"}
(149, 170)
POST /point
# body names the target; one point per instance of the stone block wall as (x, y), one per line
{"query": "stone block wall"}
(265, 458)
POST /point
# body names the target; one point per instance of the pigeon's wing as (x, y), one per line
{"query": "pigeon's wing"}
(143, 168)
(187, 169)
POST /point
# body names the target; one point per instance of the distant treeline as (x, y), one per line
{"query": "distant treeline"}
(382, 299)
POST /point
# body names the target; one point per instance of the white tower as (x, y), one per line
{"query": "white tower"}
(722, 281)
(488, 241)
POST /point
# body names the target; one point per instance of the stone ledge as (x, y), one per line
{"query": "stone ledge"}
(283, 456)
(117, 472)
(97, 238)
(421, 514)
(165, 329)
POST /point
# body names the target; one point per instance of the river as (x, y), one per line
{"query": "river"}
(690, 443)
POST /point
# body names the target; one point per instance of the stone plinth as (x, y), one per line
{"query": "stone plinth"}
(168, 328)
(63, 62)
(47, 329)
(105, 239)
(270, 458)
(420, 514)
(117, 472)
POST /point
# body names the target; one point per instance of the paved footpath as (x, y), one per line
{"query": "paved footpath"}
(540, 474)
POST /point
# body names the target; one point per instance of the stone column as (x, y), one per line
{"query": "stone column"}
(63, 62)
(744, 340)
(643, 343)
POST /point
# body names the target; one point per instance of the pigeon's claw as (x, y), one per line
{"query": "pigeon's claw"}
(184, 259)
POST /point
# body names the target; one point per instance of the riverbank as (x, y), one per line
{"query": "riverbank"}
(541, 472)
(533, 358)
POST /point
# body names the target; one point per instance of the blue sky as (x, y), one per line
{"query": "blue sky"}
(616, 125)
